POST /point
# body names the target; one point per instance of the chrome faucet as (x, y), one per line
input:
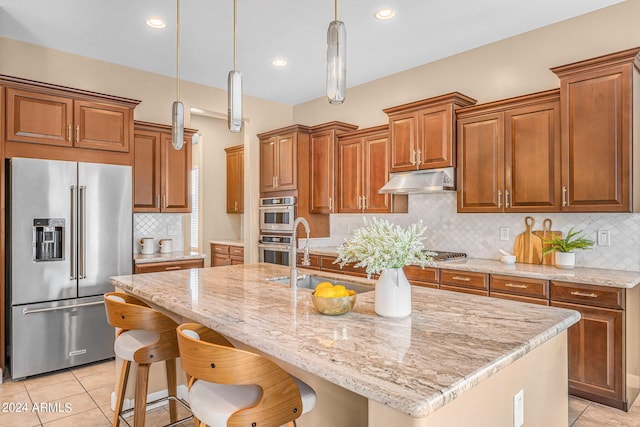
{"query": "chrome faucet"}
(293, 274)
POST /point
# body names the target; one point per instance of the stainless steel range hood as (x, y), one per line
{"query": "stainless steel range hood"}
(424, 181)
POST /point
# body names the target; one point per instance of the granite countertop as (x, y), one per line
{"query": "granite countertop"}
(451, 342)
(230, 242)
(585, 275)
(160, 257)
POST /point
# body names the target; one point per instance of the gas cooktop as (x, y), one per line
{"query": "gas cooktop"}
(448, 256)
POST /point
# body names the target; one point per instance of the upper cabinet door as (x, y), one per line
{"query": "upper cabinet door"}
(350, 167)
(596, 140)
(146, 171)
(435, 145)
(321, 171)
(268, 154)
(287, 162)
(235, 179)
(481, 163)
(403, 129)
(532, 158)
(376, 174)
(102, 126)
(176, 177)
(39, 118)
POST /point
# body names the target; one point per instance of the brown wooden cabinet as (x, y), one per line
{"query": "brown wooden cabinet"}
(226, 255)
(603, 345)
(44, 118)
(235, 179)
(322, 166)
(422, 133)
(427, 277)
(279, 161)
(363, 168)
(598, 127)
(464, 281)
(150, 267)
(522, 289)
(161, 174)
(509, 155)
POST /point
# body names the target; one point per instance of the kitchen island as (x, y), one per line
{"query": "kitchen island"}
(458, 359)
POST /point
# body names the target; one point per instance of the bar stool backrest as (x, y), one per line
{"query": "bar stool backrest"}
(208, 356)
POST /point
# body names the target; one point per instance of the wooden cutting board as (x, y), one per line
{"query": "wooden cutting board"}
(528, 246)
(547, 233)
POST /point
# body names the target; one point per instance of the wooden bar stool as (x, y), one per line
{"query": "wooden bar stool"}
(233, 387)
(145, 336)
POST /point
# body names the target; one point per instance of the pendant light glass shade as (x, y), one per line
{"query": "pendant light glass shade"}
(177, 125)
(177, 109)
(234, 93)
(234, 85)
(336, 62)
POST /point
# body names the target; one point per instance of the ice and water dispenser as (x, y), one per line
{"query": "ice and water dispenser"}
(48, 244)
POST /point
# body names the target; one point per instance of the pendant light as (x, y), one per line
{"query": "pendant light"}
(177, 110)
(234, 85)
(336, 60)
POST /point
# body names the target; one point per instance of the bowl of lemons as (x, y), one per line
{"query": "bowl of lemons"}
(333, 300)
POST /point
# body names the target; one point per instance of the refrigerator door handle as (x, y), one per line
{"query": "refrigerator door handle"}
(82, 247)
(62, 307)
(74, 237)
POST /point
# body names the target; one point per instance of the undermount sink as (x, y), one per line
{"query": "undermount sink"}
(310, 281)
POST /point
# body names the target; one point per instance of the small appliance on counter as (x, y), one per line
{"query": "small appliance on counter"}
(146, 245)
(166, 246)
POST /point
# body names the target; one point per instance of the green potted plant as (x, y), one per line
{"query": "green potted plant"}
(563, 248)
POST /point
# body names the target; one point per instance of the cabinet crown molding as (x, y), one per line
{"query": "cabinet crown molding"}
(509, 103)
(158, 127)
(32, 85)
(282, 131)
(456, 98)
(334, 126)
(618, 58)
(365, 131)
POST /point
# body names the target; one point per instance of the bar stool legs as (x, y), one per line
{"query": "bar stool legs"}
(122, 384)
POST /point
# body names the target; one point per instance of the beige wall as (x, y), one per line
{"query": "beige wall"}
(157, 94)
(507, 68)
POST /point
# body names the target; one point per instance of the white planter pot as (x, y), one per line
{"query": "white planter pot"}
(393, 294)
(566, 260)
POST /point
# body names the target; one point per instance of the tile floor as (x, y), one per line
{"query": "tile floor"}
(83, 394)
(84, 397)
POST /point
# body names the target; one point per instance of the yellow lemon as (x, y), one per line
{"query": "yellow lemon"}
(323, 285)
(326, 292)
(351, 291)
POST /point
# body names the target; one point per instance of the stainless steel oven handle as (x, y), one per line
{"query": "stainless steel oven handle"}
(276, 247)
(276, 208)
(62, 307)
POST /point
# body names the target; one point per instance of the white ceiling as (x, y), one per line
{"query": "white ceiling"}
(423, 31)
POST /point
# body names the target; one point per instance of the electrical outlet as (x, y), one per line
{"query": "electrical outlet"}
(518, 409)
(504, 233)
(171, 230)
(604, 238)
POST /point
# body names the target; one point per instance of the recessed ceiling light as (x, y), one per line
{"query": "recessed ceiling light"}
(384, 13)
(154, 22)
(279, 62)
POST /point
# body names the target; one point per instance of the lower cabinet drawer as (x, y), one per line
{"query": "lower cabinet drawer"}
(219, 249)
(416, 274)
(535, 288)
(236, 251)
(169, 266)
(465, 279)
(597, 296)
(464, 290)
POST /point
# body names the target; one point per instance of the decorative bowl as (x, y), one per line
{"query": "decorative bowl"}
(333, 306)
(508, 259)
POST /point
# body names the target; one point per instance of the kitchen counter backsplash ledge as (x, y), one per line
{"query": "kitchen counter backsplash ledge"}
(160, 257)
(592, 276)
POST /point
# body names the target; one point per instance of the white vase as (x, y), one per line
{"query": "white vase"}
(393, 294)
(566, 260)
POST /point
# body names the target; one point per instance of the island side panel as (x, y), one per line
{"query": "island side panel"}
(542, 374)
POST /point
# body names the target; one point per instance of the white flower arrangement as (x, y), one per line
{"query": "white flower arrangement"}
(380, 245)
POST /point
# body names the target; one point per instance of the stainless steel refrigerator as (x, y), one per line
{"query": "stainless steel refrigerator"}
(69, 229)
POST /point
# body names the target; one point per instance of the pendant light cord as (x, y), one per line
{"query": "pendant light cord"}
(235, 13)
(178, 50)
(336, 9)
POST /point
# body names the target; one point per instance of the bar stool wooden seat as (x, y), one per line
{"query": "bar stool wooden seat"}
(145, 336)
(233, 387)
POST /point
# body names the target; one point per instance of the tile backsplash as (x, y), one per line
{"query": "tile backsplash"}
(159, 226)
(478, 235)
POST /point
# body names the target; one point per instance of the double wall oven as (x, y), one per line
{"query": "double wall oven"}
(276, 229)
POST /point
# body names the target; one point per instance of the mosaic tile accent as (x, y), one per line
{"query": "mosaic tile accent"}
(478, 235)
(159, 226)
